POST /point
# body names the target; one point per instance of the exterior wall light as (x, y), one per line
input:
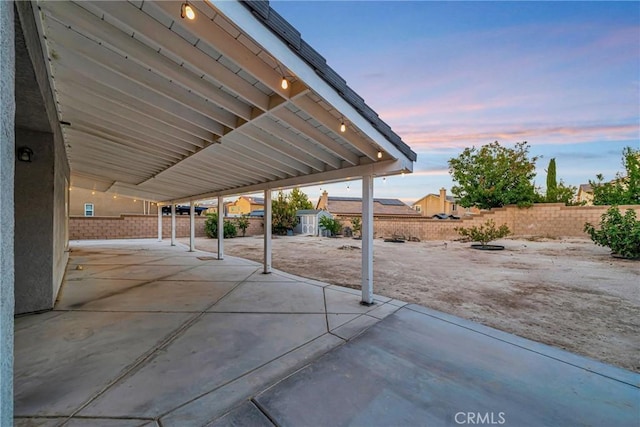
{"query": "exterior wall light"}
(343, 127)
(25, 154)
(186, 11)
(285, 83)
(379, 154)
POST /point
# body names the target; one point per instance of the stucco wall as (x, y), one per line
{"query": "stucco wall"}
(106, 205)
(34, 195)
(7, 114)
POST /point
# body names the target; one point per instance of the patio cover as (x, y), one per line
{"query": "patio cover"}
(162, 108)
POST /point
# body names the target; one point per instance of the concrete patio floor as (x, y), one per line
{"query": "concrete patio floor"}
(149, 334)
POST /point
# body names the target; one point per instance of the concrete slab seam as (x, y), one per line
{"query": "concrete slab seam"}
(138, 363)
(249, 373)
(326, 314)
(521, 346)
(264, 411)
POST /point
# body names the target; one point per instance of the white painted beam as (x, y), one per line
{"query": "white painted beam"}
(220, 227)
(328, 120)
(87, 23)
(109, 133)
(367, 239)
(280, 146)
(130, 106)
(173, 224)
(79, 48)
(210, 32)
(146, 102)
(267, 232)
(192, 226)
(278, 130)
(267, 156)
(381, 168)
(143, 24)
(115, 112)
(254, 29)
(75, 112)
(159, 223)
(306, 128)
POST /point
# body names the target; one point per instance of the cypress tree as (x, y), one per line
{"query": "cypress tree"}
(552, 184)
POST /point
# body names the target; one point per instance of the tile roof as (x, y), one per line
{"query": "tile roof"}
(283, 29)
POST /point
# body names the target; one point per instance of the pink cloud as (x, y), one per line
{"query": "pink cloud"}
(420, 139)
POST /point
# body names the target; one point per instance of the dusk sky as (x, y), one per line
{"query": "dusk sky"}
(564, 76)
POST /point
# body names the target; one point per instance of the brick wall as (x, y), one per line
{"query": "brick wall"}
(552, 220)
(141, 226)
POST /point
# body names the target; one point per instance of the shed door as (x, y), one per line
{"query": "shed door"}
(309, 224)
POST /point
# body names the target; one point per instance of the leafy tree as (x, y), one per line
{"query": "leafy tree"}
(283, 214)
(493, 176)
(243, 223)
(211, 227)
(624, 189)
(331, 224)
(552, 184)
(619, 232)
(299, 199)
(485, 233)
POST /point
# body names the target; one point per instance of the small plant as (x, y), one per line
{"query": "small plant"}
(331, 224)
(243, 223)
(485, 233)
(356, 224)
(211, 227)
(619, 232)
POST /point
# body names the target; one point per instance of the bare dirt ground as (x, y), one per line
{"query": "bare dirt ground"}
(566, 293)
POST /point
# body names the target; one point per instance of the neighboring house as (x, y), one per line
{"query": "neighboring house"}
(244, 206)
(84, 202)
(352, 206)
(436, 204)
(309, 221)
(585, 194)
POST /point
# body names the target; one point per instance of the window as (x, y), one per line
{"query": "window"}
(88, 209)
(454, 207)
(418, 208)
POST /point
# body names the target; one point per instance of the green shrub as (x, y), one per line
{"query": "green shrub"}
(619, 232)
(211, 227)
(243, 223)
(331, 224)
(485, 233)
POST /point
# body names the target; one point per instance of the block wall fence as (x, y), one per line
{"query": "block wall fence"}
(141, 227)
(550, 220)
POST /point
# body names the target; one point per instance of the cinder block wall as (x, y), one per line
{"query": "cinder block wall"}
(551, 220)
(141, 226)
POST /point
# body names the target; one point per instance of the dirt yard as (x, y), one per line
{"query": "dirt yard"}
(570, 294)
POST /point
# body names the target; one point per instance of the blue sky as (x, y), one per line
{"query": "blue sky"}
(564, 76)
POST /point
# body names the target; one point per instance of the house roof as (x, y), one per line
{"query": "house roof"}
(254, 200)
(308, 211)
(166, 109)
(353, 206)
(586, 188)
(448, 198)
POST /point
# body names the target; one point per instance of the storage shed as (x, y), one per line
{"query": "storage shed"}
(309, 221)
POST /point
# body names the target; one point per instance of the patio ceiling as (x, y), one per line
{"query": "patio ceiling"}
(167, 109)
